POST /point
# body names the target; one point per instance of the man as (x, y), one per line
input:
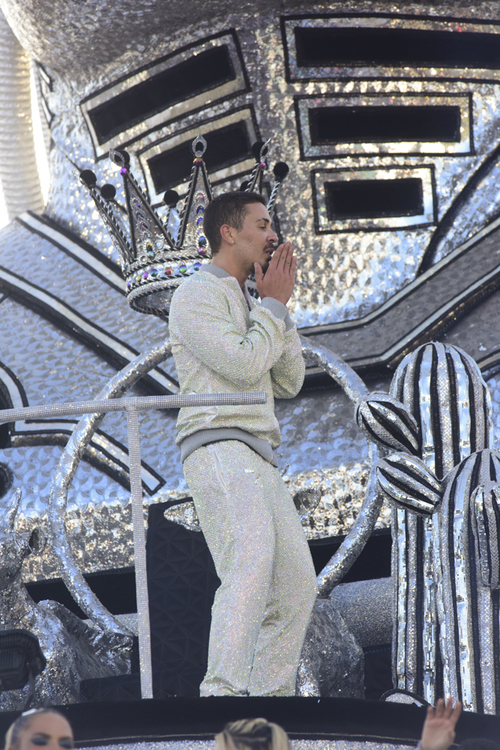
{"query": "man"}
(223, 342)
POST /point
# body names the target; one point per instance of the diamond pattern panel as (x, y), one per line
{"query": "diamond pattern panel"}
(182, 582)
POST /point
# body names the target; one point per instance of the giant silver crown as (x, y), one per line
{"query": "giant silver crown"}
(154, 261)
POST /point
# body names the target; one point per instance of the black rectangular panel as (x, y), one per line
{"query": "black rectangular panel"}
(199, 73)
(224, 147)
(317, 47)
(384, 124)
(370, 199)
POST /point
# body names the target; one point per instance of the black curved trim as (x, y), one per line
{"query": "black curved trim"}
(94, 454)
(119, 286)
(450, 215)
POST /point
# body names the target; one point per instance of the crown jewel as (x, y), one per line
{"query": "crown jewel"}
(155, 258)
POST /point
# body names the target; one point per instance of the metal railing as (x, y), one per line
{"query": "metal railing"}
(132, 406)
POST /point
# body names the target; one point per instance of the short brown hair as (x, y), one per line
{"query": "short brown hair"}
(228, 208)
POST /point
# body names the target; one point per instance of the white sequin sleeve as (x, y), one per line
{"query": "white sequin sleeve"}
(211, 325)
(288, 372)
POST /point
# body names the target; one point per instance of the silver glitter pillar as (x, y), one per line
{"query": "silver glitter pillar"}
(141, 578)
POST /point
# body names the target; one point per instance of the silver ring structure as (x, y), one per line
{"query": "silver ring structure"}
(70, 572)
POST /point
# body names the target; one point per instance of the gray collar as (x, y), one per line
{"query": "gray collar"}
(220, 273)
(215, 270)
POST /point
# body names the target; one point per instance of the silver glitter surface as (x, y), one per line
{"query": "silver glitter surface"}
(141, 580)
(311, 149)
(74, 650)
(366, 607)
(429, 629)
(342, 279)
(98, 519)
(367, 516)
(316, 431)
(304, 744)
(254, 535)
(338, 498)
(471, 653)
(340, 276)
(68, 464)
(332, 662)
(323, 179)
(57, 273)
(442, 584)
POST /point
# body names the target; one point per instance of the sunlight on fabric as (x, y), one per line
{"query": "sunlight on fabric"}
(42, 137)
(4, 219)
(40, 149)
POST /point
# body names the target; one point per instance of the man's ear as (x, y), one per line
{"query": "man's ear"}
(227, 234)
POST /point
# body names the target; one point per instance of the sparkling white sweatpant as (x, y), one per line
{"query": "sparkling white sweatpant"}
(268, 585)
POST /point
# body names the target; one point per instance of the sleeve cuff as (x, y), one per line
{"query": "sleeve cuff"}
(289, 324)
(277, 308)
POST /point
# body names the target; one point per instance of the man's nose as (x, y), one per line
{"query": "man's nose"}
(272, 236)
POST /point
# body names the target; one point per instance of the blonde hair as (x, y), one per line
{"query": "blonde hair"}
(22, 722)
(252, 734)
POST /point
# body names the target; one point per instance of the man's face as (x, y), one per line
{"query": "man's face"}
(255, 241)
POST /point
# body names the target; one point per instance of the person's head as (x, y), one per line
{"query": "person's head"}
(252, 734)
(229, 210)
(40, 727)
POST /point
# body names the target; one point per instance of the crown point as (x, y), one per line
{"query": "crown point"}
(281, 170)
(119, 157)
(150, 242)
(199, 146)
(171, 198)
(257, 149)
(88, 178)
(108, 192)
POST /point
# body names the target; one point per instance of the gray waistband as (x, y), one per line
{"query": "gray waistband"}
(204, 437)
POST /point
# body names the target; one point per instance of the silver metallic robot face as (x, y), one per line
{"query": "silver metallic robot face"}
(385, 114)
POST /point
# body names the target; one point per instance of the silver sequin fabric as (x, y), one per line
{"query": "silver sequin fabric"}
(220, 345)
(268, 584)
